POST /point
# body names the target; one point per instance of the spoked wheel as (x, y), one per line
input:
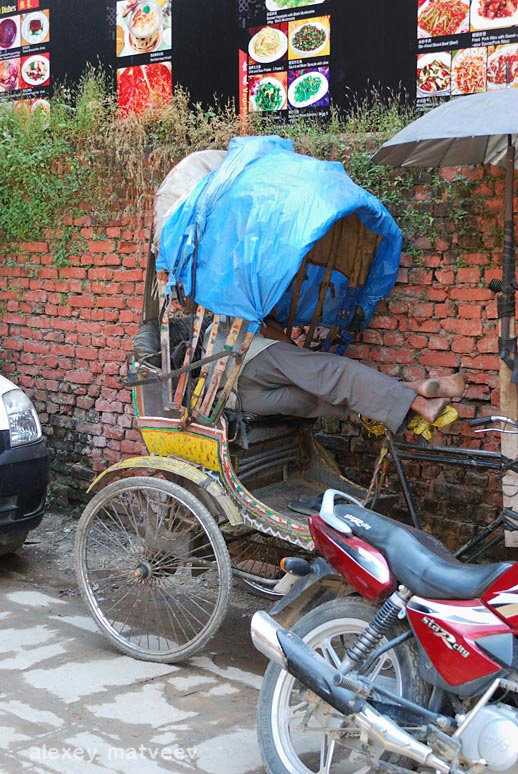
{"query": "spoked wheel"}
(301, 734)
(259, 555)
(153, 568)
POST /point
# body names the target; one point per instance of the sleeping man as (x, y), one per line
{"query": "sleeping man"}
(281, 378)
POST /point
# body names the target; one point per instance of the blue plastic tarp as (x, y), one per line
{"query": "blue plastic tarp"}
(256, 217)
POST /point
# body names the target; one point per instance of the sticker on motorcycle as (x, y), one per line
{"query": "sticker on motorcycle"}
(449, 639)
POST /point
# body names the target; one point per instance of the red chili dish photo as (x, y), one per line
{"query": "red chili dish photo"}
(144, 87)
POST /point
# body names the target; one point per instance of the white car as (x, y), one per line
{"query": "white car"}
(24, 467)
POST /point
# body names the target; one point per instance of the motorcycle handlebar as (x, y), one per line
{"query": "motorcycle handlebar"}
(479, 421)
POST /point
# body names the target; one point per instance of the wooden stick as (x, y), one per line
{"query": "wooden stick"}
(301, 276)
(507, 329)
(321, 298)
(220, 367)
(200, 384)
(232, 377)
(189, 353)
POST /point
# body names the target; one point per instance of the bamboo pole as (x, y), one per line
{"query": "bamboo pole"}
(507, 333)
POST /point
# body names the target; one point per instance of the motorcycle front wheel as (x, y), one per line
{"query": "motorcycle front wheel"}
(299, 733)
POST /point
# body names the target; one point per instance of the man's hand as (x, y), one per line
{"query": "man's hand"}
(271, 329)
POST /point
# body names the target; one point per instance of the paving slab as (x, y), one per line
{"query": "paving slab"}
(72, 704)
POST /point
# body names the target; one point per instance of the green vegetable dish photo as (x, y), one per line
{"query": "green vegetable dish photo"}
(307, 88)
(268, 95)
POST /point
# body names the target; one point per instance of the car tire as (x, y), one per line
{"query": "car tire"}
(11, 542)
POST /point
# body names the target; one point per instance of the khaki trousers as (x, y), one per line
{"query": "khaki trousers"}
(284, 379)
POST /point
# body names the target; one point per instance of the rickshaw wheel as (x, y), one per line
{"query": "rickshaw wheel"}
(153, 568)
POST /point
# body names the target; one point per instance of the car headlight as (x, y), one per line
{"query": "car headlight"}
(24, 425)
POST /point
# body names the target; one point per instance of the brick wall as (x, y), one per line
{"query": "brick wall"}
(66, 333)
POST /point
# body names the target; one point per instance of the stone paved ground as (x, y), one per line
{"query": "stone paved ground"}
(71, 703)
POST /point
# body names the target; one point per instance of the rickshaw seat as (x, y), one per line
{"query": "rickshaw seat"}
(245, 427)
(267, 419)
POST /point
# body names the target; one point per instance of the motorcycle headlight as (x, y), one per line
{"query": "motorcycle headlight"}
(24, 425)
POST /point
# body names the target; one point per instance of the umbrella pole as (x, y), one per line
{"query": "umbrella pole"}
(507, 343)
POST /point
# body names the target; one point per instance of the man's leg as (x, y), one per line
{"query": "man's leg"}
(333, 384)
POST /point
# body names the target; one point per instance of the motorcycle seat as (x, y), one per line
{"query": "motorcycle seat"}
(419, 561)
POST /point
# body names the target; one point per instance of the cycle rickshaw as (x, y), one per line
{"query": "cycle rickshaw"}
(223, 493)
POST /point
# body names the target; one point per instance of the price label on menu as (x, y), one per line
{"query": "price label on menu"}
(465, 47)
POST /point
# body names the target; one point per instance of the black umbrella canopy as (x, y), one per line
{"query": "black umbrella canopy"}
(476, 129)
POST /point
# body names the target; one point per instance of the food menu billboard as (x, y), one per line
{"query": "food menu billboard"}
(284, 62)
(465, 47)
(25, 58)
(143, 51)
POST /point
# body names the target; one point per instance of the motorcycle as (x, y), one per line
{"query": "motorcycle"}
(417, 664)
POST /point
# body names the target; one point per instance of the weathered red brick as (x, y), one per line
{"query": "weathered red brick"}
(463, 344)
(36, 247)
(445, 276)
(106, 246)
(463, 327)
(446, 359)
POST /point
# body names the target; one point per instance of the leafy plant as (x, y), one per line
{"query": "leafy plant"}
(84, 159)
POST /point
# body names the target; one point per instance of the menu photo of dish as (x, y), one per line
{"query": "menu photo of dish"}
(309, 37)
(268, 92)
(437, 18)
(9, 75)
(144, 87)
(434, 74)
(268, 44)
(9, 33)
(469, 71)
(35, 71)
(493, 14)
(502, 67)
(308, 88)
(143, 26)
(35, 28)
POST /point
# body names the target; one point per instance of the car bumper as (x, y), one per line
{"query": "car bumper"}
(24, 477)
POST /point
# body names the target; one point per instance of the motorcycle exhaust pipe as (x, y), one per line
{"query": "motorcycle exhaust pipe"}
(291, 653)
(394, 739)
(264, 630)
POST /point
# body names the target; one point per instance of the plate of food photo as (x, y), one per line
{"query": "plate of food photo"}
(36, 70)
(497, 63)
(442, 17)
(309, 38)
(35, 28)
(493, 14)
(433, 74)
(308, 89)
(286, 5)
(9, 36)
(468, 71)
(268, 45)
(267, 94)
(9, 72)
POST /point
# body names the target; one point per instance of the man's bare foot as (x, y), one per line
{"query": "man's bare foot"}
(429, 408)
(439, 386)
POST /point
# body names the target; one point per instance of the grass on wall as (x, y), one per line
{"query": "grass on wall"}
(50, 166)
